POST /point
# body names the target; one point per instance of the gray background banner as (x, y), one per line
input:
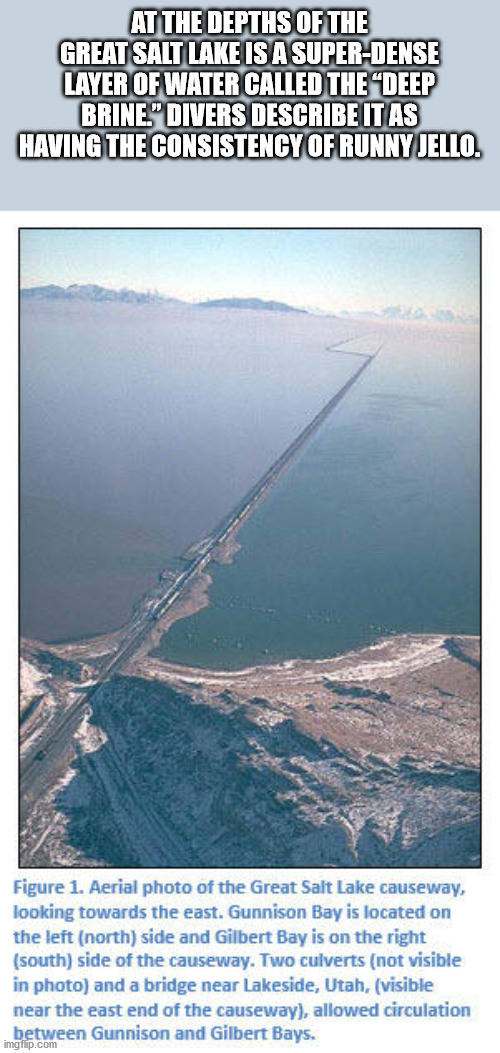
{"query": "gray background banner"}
(462, 101)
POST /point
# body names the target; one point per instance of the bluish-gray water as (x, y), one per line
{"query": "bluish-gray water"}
(374, 530)
(141, 427)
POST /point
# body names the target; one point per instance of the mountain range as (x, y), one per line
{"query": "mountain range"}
(98, 293)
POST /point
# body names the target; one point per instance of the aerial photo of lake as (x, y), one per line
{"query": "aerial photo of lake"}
(250, 548)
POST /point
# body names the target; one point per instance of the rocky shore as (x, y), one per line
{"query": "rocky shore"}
(369, 759)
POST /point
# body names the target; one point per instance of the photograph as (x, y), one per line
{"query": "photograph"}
(250, 547)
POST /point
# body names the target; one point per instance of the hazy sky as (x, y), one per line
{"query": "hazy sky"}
(326, 269)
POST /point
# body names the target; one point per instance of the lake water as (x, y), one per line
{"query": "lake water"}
(373, 530)
(141, 427)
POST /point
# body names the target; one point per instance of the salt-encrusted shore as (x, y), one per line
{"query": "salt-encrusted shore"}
(369, 758)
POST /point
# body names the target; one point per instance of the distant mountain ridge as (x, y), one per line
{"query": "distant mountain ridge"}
(93, 293)
(400, 313)
(97, 293)
(252, 304)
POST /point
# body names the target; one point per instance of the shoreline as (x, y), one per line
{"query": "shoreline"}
(278, 664)
(366, 759)
(383, 659)
(82, 647)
